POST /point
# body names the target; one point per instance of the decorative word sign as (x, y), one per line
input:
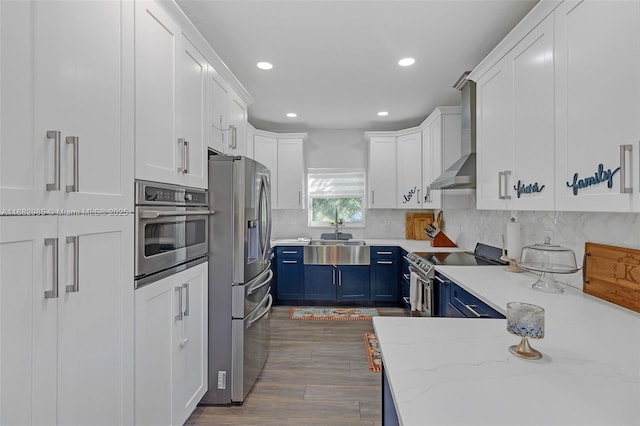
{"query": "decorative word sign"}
(601, 175)
(527, 189)
(409, 195)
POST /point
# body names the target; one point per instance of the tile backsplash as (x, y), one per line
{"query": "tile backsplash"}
(468, 226)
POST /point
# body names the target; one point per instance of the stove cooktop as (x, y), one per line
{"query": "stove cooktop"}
(483, 255)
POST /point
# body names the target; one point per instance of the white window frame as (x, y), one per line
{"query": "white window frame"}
(348, 193)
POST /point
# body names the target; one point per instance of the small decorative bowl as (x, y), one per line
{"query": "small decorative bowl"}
(527, 321)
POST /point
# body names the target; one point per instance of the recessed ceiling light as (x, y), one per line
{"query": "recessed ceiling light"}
(383, 113)
(292, 115)
(264, 65)
(405, 62)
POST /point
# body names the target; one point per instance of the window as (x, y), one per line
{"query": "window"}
(336, 189)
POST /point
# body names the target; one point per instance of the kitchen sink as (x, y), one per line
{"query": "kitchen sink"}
(336, 252)
(336, 236)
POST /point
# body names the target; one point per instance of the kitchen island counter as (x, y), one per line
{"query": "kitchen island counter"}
(459, 371)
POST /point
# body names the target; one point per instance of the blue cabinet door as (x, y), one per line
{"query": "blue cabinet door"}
(384, 280)
(290, 279)
(353, 283)
(320, 282)
(470, 305)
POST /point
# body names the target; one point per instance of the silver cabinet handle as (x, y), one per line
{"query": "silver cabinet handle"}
(154, 214)
(289, 261)
(185, 148)
(53, 293)
(406, 276)
(299, 198)
(339, 277)
(233, 136)
(289, 252)
(373, 197)
(384, 252)
(476, 313)
(418, 196)
(55, 136)
(624, 189)
(75, 286)
(179, 316)
(333, 276)
(186, 307)
(76, 163)
(427, 197)
(500, 196)
(507, 174)
(384, 262)
(440, 279)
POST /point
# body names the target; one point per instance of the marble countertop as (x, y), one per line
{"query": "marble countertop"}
(408, 245)
(459, 371)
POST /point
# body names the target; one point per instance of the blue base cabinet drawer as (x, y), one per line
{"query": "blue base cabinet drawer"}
(289, 273)
(385, 273)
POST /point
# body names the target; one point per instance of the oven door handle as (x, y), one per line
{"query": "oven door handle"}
(154, 214)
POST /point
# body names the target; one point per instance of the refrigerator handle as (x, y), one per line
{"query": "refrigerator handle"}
(253, 288)
(265, 191)
(265, 312)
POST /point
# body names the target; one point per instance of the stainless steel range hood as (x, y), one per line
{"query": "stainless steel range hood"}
(462, 173)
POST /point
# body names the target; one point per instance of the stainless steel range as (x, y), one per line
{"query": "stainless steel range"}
(422, 264)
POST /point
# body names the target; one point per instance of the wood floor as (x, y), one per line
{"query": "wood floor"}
(316, 374)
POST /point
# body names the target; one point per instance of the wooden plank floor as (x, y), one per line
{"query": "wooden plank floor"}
(316, 374)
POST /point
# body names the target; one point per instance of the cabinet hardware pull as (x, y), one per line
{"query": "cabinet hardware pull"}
(418, 196)
(187, 150)
(179, 316)
(55, 136)
(154, 214)
(384, 252)
(441, 280)
(624, 189)
(406, 276)
(186, 308)
(233, 136)
(500, 196)
(339, 277)
(584, 268)
(182, 143)
(507, 174)
(384, 262)
(333, 276)
(289, 261)
(373, 198)
(427, 198)
(289, 252)
(76, 163)
(299, 198)
(75, 287)
(53, 293)
(471, 308)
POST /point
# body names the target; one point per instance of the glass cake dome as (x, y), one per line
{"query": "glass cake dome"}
(548, 259)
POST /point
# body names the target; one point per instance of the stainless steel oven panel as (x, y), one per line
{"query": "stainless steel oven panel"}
(172, 245)
(250, 349)
(155, 193)
(246, 297)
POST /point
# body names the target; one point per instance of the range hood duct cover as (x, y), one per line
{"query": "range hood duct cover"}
(462, 173)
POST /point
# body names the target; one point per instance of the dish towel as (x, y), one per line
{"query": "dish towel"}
(415, 292)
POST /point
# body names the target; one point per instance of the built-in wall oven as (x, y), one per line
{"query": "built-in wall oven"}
(171, 230)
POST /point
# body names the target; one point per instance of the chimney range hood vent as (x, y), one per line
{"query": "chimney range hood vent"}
(462, 173)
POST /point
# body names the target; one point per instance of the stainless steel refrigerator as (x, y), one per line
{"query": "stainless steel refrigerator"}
(239, 276)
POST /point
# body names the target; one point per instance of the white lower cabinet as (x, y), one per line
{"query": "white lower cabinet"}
(66, 315)
(171, 347)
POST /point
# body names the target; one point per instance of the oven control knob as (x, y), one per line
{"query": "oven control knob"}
(188, 197)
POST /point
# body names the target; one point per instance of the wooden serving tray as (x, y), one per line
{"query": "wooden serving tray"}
(613, 274)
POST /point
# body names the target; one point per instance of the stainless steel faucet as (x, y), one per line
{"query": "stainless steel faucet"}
(337, 222)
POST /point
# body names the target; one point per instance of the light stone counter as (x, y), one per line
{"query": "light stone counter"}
(459, 371)
(408, 245)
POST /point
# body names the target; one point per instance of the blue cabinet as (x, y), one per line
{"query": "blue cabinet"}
(336, 283)
(384, 274)
(289, 273)
(320, 282)
(455, 302)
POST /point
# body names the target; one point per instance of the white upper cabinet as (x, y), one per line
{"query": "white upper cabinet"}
(66, 139)
(409, 167)
(290, 174)
(265, 151)
(532, 184)
(237, 126)
(382, 172)
(494, 141)
(597, 106)
(191, 118)
(170, 101)
(217, 114)
(441, 147)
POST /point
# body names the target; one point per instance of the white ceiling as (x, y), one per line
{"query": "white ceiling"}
(335, 62)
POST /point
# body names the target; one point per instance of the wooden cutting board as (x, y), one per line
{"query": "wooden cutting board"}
(613, 274)
(415, 224)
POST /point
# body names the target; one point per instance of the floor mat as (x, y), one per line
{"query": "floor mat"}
(328, 314)
(373, 352)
